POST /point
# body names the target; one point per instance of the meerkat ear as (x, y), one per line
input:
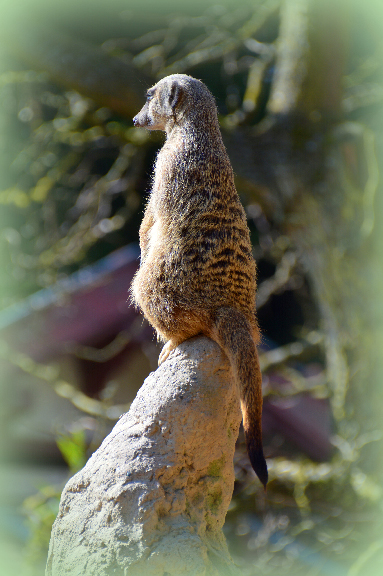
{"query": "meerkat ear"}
(175, 95)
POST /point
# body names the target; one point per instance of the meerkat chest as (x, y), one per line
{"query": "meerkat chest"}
(155, 237)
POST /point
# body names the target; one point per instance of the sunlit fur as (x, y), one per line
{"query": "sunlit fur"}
(197, 273)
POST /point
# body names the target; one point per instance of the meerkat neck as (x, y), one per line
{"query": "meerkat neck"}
(190, 130)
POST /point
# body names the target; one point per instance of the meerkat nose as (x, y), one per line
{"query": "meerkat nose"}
(135, 121)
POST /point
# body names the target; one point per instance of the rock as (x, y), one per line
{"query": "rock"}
(153, 498)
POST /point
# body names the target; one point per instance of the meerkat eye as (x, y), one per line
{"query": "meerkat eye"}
(149, 96)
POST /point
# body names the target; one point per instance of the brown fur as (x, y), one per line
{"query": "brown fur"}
(197, 273)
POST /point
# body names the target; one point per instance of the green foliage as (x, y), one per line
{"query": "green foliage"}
(40, 511)
(73, 449)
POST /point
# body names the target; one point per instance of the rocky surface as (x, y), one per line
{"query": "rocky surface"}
(153, 498)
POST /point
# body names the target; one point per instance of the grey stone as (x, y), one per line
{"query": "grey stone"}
(153, 498)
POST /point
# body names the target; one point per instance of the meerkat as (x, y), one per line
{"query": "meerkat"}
(197, 274)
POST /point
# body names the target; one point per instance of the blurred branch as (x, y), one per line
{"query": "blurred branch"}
(114, 348)
(220, 41)
(301, 474)
(255, 79)
(80, 66)
(91, 226)
(281, 277)
(49, 374)
(372, 183)
(310, 60)
(291, 58)
(260, 15)
(283, 353)
(298, 384)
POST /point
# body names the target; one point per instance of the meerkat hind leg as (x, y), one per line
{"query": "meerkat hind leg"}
(184, 326)
(168, 347)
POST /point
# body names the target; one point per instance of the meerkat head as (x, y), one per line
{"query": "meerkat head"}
(173, 100)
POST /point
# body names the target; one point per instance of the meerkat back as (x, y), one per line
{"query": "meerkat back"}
(197, 273)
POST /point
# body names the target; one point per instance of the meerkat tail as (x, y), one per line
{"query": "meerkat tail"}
(233, 333)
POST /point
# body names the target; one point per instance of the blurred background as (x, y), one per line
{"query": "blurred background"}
(299, 89)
